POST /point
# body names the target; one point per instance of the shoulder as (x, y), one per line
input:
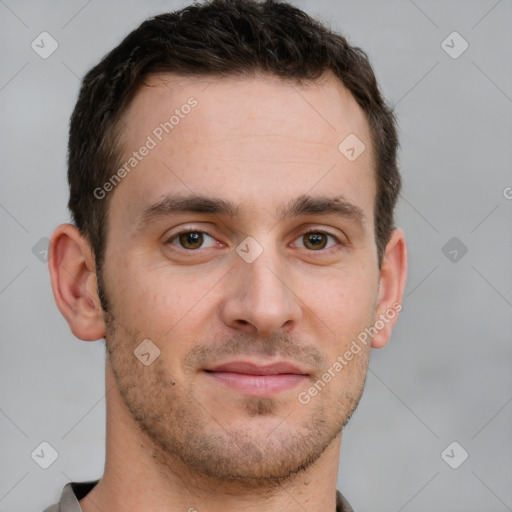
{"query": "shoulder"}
(52, 508)
(342, 505)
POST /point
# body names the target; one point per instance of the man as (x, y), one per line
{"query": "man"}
(233, 176)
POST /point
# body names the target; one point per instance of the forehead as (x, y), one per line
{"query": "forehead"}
(271, 104)
(258, 140)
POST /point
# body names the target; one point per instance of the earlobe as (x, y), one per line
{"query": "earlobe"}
(393, 275)
(73, 276)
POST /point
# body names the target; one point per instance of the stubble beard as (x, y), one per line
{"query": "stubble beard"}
(183, 434)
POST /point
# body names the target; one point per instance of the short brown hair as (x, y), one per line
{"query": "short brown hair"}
(218, 38)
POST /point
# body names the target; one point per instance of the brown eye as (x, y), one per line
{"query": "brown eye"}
(191, 240)
(315, 241)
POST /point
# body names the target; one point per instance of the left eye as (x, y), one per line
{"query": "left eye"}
(316, 240)
(192, 240)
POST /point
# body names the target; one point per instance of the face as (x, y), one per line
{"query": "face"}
(241, 244)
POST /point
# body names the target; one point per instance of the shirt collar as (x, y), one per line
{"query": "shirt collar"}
(74, 491)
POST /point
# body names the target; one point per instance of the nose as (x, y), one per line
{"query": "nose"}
(260, 298)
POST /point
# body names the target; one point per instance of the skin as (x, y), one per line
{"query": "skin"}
(179, 438)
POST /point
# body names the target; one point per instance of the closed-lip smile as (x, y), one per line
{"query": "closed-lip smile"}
(257, 379)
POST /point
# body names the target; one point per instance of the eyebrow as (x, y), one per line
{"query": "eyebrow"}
(302, 205)
(314, 205)
(172, 205)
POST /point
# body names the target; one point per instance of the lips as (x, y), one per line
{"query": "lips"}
(249, 368)
(257, 380)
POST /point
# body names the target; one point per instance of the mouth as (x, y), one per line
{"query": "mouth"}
(258, 380)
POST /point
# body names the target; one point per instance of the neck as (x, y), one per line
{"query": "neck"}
(139, 477)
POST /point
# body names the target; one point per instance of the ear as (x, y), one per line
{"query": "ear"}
(393, 274)
(73, 277)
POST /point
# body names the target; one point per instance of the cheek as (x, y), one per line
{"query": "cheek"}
(159, 302)
(341, 312)
(344, 300)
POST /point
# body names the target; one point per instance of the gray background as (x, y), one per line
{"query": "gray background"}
(445, 376)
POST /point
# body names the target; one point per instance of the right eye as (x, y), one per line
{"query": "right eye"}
(192, 240)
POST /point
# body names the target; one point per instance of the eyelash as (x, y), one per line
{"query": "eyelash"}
(318, 231)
